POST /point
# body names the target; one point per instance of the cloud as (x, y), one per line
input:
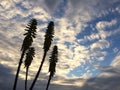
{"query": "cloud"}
(58, 81)
(6, 78)
(100, 84)
(115, 63)
(86, 10)
(93, 36)
(103, 24)
(68, 84)
(52, 5)
(73, 53)
(101, 44)
(108, 78)
(101, 27)
(49, 6)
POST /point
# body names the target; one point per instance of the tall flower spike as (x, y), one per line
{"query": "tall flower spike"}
(30, 34)
(27, 42)
(53, 60)
(48, 36)
(47, 44)
(29, 57)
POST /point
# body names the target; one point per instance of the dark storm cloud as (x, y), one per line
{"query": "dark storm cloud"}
(108, 83)
(65, 87)
(7, 79)
(107, 80)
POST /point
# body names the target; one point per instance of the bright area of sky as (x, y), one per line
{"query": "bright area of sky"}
(87, 33)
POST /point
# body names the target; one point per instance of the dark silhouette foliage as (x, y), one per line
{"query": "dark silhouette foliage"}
(27, 42)
(53, 60)
(29, 57)
(48, 36)
(30, 34)
(47, 43)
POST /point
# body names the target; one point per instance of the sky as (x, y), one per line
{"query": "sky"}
(87, 33)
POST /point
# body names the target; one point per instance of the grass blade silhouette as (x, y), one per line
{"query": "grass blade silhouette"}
(29, 57)
(47, 44)
(31, 32)
(52, 66)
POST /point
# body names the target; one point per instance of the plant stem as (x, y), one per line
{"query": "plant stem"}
(18, 70)
(48, 82)
(38, 71)
(26, 78)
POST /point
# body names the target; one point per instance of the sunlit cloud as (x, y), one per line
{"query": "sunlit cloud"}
(85, 34)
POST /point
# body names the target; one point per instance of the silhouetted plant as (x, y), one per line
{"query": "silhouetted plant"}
(47, 44)
(29, 57)
(53, 60)
(31, 32)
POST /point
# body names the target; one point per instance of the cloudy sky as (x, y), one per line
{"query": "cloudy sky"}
(87, 33)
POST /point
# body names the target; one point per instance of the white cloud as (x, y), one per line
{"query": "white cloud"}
(6, 4)
(101, 27)
(93, 36)
(15, 15)
(103, 24)
(101, 44)
(116, 62)
(102, 31)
